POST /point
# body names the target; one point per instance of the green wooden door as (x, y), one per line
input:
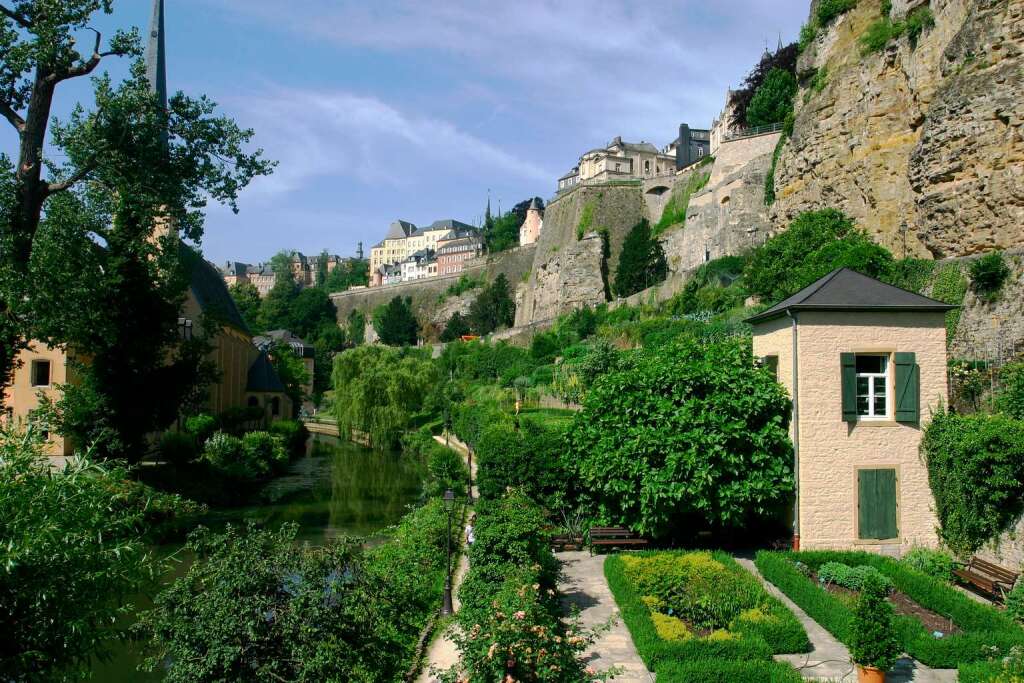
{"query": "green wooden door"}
(876, 490)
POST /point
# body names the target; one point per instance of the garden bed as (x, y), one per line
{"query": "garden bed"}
(983, 630)
(699, 616)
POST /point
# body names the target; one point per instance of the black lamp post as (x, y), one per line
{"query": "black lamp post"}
(449, 506)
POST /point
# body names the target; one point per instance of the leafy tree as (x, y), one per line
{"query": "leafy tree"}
(976, 473)
(247, 299)
(395, 322)
(356, 332)
(311, 310)
(641, 263)
(530, 458)
(344, 276)
(874, 640)
(816, 243)
(493, 307)
(773, 100)
(292, 372)
(276, 307)
(72, 558)
(691, 433)
(1011, 399)
(455, 328)
(321, 269)
(783, 59)
(133, 157)
(378, 391)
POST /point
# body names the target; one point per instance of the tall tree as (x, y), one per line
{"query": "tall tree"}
(356, 330)
(641, 263)
(247, 299)
(493, 307)
(200, 157)
(321, 268)
(395, 322)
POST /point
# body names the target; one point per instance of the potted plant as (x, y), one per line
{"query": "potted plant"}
(874, 647)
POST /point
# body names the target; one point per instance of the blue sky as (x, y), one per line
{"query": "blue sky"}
(414, 109)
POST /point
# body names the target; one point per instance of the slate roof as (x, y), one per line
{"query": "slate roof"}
(208, 287)
(848, 290)
(262, 377)
(448, 224)
(235, 268)
(400, 230)
(264, 341)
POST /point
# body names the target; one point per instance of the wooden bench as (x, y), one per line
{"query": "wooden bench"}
(988, 578)
(614, 537)
(566, 541)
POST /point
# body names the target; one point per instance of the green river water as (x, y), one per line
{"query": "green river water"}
(343, 490)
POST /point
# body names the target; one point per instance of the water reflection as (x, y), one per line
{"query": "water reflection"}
(338, 489)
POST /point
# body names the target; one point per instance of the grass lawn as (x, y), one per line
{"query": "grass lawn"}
(981, 627)
(555, 418)
(700, 617)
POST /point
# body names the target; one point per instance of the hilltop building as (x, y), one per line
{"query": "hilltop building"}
(865, 363)
(246, 379)
(304, 271)
(412, 253)
(529, 231)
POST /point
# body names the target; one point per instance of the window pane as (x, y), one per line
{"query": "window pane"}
(862, 386)
(870, 364)
(41, 373)
(880, 405)
(862, 405)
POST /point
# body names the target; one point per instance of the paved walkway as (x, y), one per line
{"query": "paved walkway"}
(583, 585)
(830, 660)
(462, 449)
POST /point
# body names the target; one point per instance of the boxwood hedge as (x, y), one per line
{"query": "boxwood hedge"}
(983, 627)
(746, 657)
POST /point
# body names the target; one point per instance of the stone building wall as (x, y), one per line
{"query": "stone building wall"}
(925, 138)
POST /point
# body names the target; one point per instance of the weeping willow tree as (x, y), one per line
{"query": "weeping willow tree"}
(379, 391)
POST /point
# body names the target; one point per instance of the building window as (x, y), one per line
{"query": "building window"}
(254, 402)
(275, 406)
(700, 151)
(185, 329)
(647, 167)
(772, 363)
(877, 505)
(40, 373)
(872, 385)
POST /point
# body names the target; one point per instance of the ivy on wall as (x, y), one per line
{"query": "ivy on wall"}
(950, 287)
(679, 201)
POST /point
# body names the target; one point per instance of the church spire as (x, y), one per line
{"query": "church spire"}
(156, 54)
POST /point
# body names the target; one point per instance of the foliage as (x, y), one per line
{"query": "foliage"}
(999, 669)
(988, 274)
(769, 179)
(292, 372)
(395, 323)
(576, 375)
(950, 286)
(670, 439)
(783, 59)
(983, 626)
(853, 578)
(937, 564)
(247, 300)
(71, 555)
(874, 642)
(911, 274)
(816, 243)
(976, 473)
(830, 9)
(1015, 602)
(528, 457)
(201, 427)
(586, 220)
(502, 233)
(356, 331)
(177, 447)
(715, 286)
(493, 308)
(379, 390)
(345, 275)
(679, 201)
(259, 606)
(293, 435)
(808, 32)
(773, 100)
(464, 284)
(1011, 399)
(727, 671)
(641, 262)
(241, 458)
(884, 30)
(755, 633)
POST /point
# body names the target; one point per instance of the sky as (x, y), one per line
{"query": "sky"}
(417, 109)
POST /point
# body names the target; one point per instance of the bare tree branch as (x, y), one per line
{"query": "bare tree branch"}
(20, 20)
(86, 67)
(8, 111)
(79, 175)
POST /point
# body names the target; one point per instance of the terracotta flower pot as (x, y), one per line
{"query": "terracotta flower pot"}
(869, 674)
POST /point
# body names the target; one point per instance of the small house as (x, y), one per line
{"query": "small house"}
(865, 365)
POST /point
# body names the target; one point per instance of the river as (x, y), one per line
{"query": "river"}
(338, 489)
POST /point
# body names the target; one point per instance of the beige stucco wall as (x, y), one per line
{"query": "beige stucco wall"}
(529, 231)
(21, 398)
(831, 451)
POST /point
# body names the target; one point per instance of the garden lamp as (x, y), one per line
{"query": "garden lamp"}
(449, 506)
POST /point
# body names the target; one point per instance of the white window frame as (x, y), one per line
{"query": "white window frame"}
(873, 378)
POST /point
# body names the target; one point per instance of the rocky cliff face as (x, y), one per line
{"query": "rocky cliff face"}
(921, 143)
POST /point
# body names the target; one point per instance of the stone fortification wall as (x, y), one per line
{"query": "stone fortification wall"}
(428, 294)
(729, 214)
(927, 136)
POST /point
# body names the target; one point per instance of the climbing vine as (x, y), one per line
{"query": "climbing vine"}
(950, 287)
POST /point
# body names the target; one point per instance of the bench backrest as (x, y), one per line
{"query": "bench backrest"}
(995, 571)
(610, 532)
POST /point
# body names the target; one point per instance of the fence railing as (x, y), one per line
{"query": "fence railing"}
(752, 132)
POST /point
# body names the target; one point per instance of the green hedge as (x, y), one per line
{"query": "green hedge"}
(745, 658)
(983, 626)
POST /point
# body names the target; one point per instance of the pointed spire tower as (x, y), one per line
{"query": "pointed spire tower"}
(156, 57)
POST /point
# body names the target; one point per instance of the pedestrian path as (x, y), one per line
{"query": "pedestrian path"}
(584, 587)
(452, 442)
(829, 660)
(442, 653)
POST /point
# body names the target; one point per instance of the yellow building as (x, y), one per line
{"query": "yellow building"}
(865, 364)
(245, 376)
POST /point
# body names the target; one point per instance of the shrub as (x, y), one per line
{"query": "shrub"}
(1015, 602)
(950, 286)
(641, 262)
(176, 447)
(667, 440)
(1010, 399)
(873, 642)
(773, 100)
(808, 32)
(529, 459)
(447, 471)
(679, 201)
(830, 9)
(456, 327)
(988, 274)
(852, 578)
(935, 563)
(919, 19)
(976, 474)
(293, 434)
(201, 426)
(265, 451)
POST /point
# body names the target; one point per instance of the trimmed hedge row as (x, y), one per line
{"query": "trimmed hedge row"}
(983, 627)
(737, 660)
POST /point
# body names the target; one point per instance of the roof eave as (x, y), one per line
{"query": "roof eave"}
(771, 315)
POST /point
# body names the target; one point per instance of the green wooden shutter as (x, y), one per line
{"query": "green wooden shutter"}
(848, 370)
(908, 388)
(876, 504)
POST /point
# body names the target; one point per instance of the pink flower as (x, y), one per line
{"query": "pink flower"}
(520, 615)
